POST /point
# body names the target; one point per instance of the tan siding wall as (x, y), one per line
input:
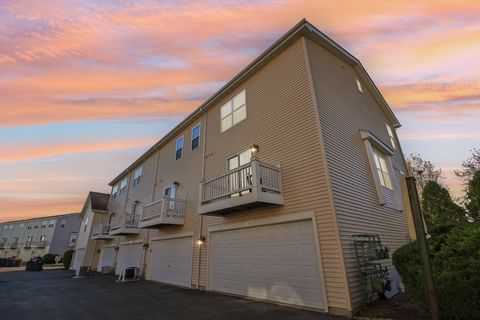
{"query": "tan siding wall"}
(343, 112)
(281, 121)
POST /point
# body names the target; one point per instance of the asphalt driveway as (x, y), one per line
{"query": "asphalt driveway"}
(54, 294)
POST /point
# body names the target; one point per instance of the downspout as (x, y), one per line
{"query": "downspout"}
(202, 179)
(124, 209)
(146, 245)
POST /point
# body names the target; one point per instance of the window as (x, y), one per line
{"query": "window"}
(42, 238)
(35, 227)
(170, 192)
(63, 223)
(137, 175)
(28, 243)
(382, 169)
(114, 191)
(234, 111)
(179, 148)
(123, 185)
(44, 224)
(390, 134)
(85, 226)
(239, 160)
(196, 136)
(51, 224)
(359, 85)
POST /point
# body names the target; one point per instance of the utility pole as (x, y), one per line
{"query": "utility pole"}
(422, 242)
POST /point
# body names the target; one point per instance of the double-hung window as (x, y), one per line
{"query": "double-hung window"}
(234, 111)
(137, 175)
(196, 137)
(391, 135)
(179, 148)
(382, 169)
(123, 185)
(115, 191)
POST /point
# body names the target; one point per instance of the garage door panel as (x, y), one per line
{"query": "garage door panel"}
(275, 262)
(171, 261)
(107, 257)
(129, 255)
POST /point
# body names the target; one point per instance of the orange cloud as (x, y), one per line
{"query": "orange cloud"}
(30, 152)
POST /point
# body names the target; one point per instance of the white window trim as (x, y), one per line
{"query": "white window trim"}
(183, 148)
(371, 142)
(199, 125)
(391, 135)
(359, 85)
(244, 91)
(137, 179)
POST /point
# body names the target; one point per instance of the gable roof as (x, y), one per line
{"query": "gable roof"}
(302, 28)
(97, 200)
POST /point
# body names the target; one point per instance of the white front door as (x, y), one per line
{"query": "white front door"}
(171, 261)
(130, 255)
(78, 260)
(277, 262)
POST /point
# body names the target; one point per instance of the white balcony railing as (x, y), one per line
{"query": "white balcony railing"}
(128, 223)
(41, 244)
(255, 183)
(101, 231)
(164, 211)
(14, 244)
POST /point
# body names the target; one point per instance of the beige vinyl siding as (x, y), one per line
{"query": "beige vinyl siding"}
(281, 121)
(343, 112)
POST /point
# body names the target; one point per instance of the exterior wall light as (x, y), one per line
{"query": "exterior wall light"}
(201, 240)
(254, 149)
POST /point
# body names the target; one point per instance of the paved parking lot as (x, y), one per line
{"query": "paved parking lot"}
(54, 294)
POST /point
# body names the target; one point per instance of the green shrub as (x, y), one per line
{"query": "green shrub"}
(67, 259)
(50, 258)
(455, 259)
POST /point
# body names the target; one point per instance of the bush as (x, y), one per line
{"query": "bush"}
(455, 259)
(67, 259)
(50, 258)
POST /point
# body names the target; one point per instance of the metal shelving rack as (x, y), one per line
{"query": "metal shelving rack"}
(369, 253)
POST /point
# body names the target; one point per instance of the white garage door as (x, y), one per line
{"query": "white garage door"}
(129, 255)
(276, 262)
(171, 261)
(78, 261)
(107, 258)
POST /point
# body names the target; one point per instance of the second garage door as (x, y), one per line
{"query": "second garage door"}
(276, 262)
(107, 258)
(129, 255)
(171, 261)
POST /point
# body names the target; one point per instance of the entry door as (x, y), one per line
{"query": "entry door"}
(170, 192)
(276, 262)
(79, 256)
(240, 179)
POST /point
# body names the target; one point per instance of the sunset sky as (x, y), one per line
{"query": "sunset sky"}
(87, 86)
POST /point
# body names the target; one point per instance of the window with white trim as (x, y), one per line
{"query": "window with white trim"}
(137, 175)
(179, 147)
(382, 169)
(234, 111)
(195, 137)
(123, 185)
(114, 191)
(359, 85)
(391, 135)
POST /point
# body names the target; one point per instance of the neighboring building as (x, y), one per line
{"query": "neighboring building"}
(259, 191)
(38, 236)
(94, 214)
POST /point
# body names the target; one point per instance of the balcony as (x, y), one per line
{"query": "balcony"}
(101, 232)
(252, 185)
(126, 224)
(41, 244)
(28, 245)
(14, 244)
(2, 244)
(166, 211)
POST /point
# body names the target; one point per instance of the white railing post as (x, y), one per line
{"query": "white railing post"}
(255, 167)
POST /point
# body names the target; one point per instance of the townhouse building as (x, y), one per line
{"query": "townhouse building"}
(30, 238)
(259, 191)
(92, 222)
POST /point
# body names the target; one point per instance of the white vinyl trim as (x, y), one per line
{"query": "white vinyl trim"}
(174, 236)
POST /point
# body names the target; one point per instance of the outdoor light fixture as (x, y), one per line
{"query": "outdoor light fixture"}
(176, 183)
(254, 149)
(201, 240)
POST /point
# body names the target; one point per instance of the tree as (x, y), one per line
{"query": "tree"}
(438, 206)
(473, 197)
(469, 166)
(422, 170)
